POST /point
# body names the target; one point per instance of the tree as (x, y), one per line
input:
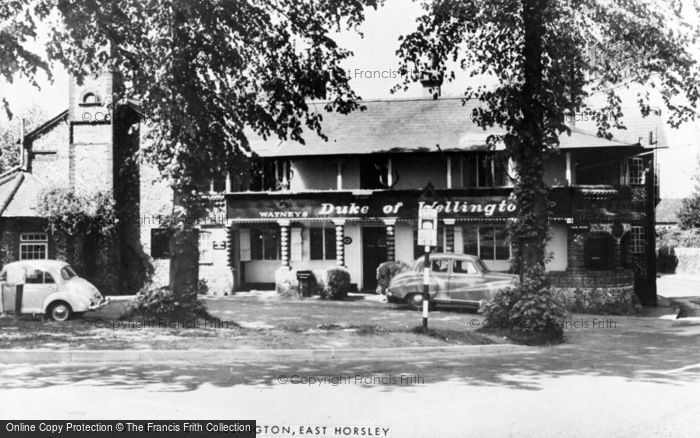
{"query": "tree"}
(206, 73)
(689, 212)
(10, 134)
(550, 57)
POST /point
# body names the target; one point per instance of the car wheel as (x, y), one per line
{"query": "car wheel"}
(415, 301)
(60, 311)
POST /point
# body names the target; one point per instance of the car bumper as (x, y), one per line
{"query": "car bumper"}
(101, 304)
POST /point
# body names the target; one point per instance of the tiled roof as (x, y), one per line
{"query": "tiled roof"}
(19, 194)
(411, 125)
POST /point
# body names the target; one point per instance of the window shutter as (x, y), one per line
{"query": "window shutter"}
(244, 244)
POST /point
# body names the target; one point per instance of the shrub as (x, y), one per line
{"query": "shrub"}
(599, 301)
(528, 315)
(287, 285)
(160, 302)
(386, 271)
(336, 284)
(202, 286)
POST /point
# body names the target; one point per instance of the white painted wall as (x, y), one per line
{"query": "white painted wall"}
(404, 242)
(353, 252)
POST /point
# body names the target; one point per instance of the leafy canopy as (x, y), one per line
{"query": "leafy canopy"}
(206, 73)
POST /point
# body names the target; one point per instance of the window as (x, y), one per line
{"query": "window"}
(264, 244)
(160, 243)
(37, 276)
(484, 169)
(440, 265)
(205, 248)
(67, 273)
(463, 267)
(373, 174)
(488, 243)
(635, 171)
(598, 253)
(33, 246)
(636, 243)
(90, 98)
(270, 175)
(322, 242)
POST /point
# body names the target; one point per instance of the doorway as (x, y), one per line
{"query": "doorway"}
(373, 253)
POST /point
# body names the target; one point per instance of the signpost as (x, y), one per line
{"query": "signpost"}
(427, 236)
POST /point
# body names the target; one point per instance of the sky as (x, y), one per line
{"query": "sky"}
(373, 72)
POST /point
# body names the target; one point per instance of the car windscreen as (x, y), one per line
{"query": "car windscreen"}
(67, 273)
(482, 265)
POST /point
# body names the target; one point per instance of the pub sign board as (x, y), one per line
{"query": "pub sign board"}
(377, 205)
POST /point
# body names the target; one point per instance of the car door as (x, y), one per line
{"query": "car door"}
(466, 282)
(439, 276)
(38, 286)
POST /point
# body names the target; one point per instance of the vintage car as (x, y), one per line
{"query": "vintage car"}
(454, 279)
(52, 287)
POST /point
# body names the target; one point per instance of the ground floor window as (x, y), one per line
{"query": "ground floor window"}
(205, 248)
(636, 241)
(264, 244)
(322, 243)
(33, 246)
(487, 242)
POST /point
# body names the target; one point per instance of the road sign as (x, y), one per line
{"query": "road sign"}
(427, 226)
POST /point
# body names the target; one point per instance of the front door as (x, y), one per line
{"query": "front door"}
(373, 253)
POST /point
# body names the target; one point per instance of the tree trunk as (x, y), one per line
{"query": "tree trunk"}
(528, 150)
(184, 261)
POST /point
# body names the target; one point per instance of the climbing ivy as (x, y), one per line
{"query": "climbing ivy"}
(74, 213)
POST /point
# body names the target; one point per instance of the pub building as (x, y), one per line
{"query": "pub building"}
(353, 200)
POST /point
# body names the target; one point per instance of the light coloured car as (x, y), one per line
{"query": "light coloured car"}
(52, 287)
(459, 279)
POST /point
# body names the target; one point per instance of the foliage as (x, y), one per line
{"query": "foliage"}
(688, 261)
(599, 301)
(202, 287)
(78, 213)
(336, 284)
(386, 271)
(527, 313)
(541, 73)
(10, 134)
(207, 74)
(689, 212)
(161, 303)
(287, 285)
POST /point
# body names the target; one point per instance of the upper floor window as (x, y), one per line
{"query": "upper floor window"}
(373, 174)
(33, 246)
(271, 175)
(484, 169)
(634, 171)
(90, 98)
